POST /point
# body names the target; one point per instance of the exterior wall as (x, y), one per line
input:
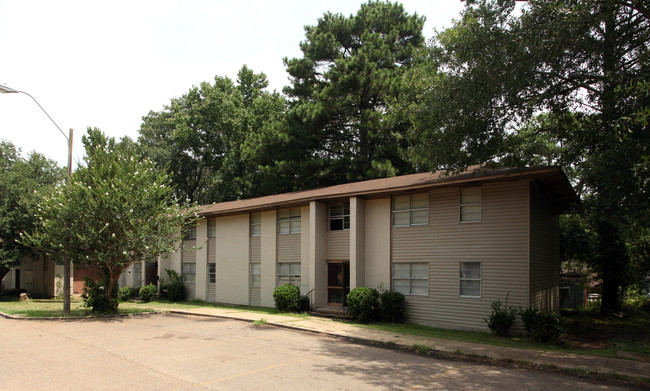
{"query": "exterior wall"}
(305, 266)
(212, 258)
(201, 259)
(377, 243)
(499, 242)
(37, 276)
(318, 251)
(170, 261)
(255, 256)
(544, 254)
(232, 249)
(268, 253)
(356, 242)
(289, 247)
(338, 243)
(188, 255)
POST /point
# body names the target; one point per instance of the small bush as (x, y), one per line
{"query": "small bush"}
(363, 303)
(542, 326)
(392, 306)
(95, 297)
(127, 293)
(287, 298)
(501, 319)
(174, 290)
(303, 303)
(148, 293)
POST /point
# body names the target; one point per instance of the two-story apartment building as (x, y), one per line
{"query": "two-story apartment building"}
(451, 244)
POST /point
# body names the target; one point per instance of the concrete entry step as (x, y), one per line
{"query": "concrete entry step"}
(331, 312)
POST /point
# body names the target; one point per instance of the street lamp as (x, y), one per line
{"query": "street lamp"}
(66, 263)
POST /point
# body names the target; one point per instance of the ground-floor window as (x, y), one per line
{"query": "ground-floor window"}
(470, 279)
(212, 272)
(411, 279)
(289, 273)
(256, 275)
(189, 273)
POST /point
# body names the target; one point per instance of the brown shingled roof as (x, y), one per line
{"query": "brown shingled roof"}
(551, 179)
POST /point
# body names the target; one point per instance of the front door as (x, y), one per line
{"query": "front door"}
(338, 282)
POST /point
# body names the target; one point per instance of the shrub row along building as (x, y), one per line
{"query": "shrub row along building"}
(451, 244)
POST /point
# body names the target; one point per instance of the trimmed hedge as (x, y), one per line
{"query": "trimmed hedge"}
(363, 303)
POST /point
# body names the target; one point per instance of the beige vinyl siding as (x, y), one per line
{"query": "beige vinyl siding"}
(256, 257)
(288, 248)
(499, 242)
(544, 254)
(256, 249)
(338, 245)
(255, 298)
(212, 253)
(212, 296)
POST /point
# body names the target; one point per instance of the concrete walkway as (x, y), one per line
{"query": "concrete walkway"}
(365, 335)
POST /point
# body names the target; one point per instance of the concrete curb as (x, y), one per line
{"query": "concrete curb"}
(8, 316)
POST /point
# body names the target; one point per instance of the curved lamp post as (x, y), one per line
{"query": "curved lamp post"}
(66, 263)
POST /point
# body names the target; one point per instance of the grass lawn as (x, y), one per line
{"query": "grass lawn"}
(35, 308)
(168, 305)
(583, 333)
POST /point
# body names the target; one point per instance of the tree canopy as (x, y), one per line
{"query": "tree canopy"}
(207, 138)
(560, 82)
(22, 182)
(340, 89)
(118, 209)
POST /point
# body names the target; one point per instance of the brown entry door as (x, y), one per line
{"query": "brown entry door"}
(338, 282)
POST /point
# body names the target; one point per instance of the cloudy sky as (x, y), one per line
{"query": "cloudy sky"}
(106, 64)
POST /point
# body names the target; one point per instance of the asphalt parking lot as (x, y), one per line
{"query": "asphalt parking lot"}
(179, 352)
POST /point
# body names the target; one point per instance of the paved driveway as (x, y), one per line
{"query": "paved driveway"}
(176, 352)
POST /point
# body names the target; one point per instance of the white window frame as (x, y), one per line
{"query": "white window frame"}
(212, 228)
(256, 224)
(479, 279)
(292, 275)
(410, 278)
(191, 233)
(410, 210)
(342, 215)
(212, 272)
(289, 221)
(256, 274)
(189, 276)
(466, 204)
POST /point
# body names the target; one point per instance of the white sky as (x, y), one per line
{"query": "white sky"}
(107, 64)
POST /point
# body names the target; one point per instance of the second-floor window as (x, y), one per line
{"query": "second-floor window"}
(191, 233)
(339, 216)
(289, 221)
(256, 224)
(411, 209)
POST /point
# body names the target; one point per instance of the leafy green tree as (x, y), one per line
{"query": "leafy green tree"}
(118, 209)
(482, 83)
(206, 137)
(351, 68)
(22, 180)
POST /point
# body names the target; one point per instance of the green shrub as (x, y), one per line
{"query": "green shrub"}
(127, 293)
(287, 298)
(392, 306)
(542, 326)
(501, 319)
(303, 303)
(148, 293)
(174, 290)
(95, 297)
(363, 303)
